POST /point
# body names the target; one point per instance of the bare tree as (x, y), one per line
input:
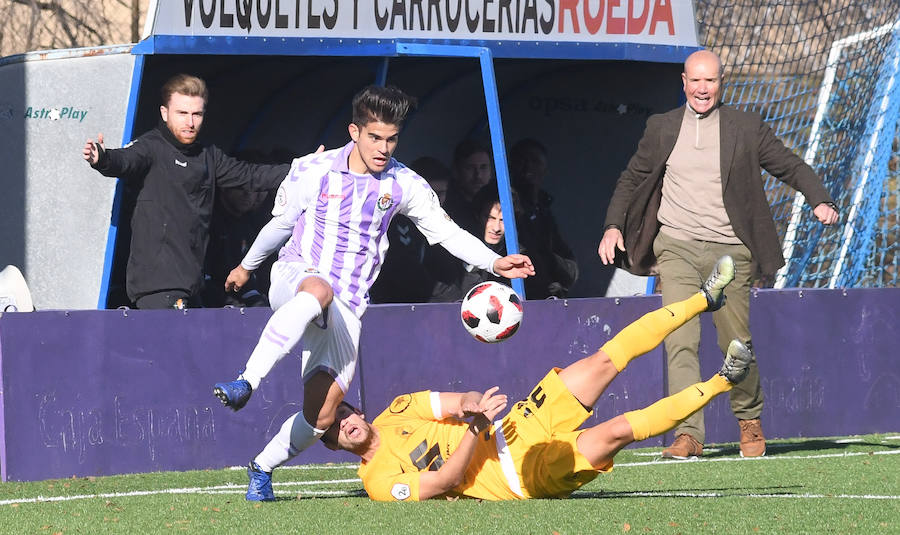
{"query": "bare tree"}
(51, 24)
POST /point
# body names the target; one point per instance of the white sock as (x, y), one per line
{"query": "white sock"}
(281, 334)
(294, 436)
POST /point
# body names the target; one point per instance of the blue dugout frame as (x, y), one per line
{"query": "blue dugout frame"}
(484, 51)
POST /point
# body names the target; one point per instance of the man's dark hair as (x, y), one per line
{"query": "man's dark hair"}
(388, 105)
(487, 196)
(431, 169)
(526, 145)
(468, 147)
(185, 84)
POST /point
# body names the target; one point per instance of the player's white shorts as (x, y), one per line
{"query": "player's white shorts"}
(331, 342)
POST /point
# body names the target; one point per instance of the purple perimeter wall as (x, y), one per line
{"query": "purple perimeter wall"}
(107, 392)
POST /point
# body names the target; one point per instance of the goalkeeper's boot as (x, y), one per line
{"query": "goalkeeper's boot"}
(233, 394)
(737, 362)
(260, 488)
(714, 285)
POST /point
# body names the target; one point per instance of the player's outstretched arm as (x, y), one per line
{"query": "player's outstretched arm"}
(462, 404)
(452, 473)
(514, 266)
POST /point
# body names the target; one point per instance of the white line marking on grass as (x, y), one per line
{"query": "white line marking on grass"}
(751, 459)
(324, 481)
(770, 446)
(218, 489)
(306, 467)
(234, 488)
(312, 493)
(658, 453)
(643, 494)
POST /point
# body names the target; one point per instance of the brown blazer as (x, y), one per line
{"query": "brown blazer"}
(747, 144)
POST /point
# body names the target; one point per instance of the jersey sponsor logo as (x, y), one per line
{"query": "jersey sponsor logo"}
(180, 164)
(340, 196)
(385, 202)
(400, 491)
(400, 404)
(310, 270)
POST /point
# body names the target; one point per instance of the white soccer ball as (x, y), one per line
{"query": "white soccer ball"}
(491, 312)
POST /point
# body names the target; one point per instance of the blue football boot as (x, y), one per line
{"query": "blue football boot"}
(233, 394)
(260, 488)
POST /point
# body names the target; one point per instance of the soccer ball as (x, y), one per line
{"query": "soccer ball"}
(491, 312)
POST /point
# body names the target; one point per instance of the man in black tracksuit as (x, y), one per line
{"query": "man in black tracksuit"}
(177, 180)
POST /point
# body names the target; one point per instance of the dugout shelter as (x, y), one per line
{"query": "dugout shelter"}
(579, 76)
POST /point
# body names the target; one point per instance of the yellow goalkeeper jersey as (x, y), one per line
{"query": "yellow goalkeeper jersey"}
(531, 453)
(414, 439)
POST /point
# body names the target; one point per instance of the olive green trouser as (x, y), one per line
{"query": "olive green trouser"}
(683, 266)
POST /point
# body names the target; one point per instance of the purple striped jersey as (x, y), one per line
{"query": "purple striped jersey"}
(340, 218)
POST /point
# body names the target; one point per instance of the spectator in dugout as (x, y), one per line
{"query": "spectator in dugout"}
(554, 262)
(473, 167)
(238, 216)
(453, 284)
(175, 178)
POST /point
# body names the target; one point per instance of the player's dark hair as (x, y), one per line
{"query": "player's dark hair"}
(186, 85)
(388, 105)
(329, 438)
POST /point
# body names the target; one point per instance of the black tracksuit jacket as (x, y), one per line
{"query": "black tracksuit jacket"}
(177, 186)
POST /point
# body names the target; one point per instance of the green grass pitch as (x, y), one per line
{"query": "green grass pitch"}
(836, 485)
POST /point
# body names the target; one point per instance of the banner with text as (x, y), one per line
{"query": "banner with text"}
(657, 22)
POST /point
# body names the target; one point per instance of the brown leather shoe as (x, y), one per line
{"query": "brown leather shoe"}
(684, 447)
(753, 443)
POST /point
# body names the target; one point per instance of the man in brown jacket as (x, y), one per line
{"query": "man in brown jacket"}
(693, 193)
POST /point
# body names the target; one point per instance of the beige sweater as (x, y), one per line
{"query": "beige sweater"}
(692, 206)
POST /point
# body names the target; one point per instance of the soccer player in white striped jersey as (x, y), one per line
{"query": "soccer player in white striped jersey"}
(334, 209)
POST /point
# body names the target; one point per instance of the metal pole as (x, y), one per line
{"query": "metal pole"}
(495, 122)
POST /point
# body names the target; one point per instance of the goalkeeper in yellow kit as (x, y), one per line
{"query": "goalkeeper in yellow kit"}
(441, 444)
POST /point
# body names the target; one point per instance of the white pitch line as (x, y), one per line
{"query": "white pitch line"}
(313, 493)
(235, 488)
(657, 453)
(643, 494)
(771, 446)
(230, 487)
(306, 467)
(325, 481)
(754, 459)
